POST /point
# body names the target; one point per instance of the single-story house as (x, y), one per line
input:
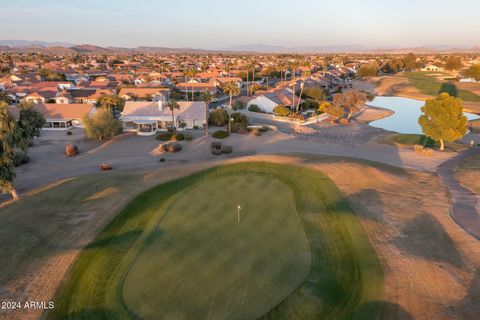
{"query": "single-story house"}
(432, 67)
(148, 117)
(64, 116)
(267, 101)
(156, 94)
(187, 87)
(224, 80)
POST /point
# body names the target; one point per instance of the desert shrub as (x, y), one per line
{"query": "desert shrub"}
(164, 136)
(256, 132)
(71, 150)
(281, 111)
(177, 136)
(170, 147)
(239, 123)
(254, 108)
(216, 145)
(239, 105)
(220, 134)
(172, 136)
(216, 152)
(227, 149)
(20, 158)
(219, 117)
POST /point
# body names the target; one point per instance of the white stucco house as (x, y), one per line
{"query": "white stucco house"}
(432, 67)
(148, 117)
(269, 100)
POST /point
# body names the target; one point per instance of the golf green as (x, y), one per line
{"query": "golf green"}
(242, 241)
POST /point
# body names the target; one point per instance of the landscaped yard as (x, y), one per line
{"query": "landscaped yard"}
(178, 251)
(428, 84)
(412, 139)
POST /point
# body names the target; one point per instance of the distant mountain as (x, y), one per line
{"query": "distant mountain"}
(26, 46)
(34, 43)
(264, 48)
(88, 48)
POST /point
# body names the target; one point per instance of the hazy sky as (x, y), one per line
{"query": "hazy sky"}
(216, 24)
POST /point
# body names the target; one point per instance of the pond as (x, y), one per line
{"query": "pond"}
(405, 116)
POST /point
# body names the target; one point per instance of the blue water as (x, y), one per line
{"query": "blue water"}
(405, 119)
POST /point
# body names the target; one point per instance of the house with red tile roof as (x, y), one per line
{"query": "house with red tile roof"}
(154, 94)
(64, 116)
(196, 87)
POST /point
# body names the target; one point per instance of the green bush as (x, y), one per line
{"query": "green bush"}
(220, 134)
(21, 157)
(254, 108)
(239, 105)
(219, 117)
(239, 123)
(164, 136)
(173, 136)
(178, 136)
(281, 111)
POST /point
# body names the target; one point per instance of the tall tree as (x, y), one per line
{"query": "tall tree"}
(9, 139)
(111, 102)
(192, 72)
(443, 119)
(231, 89)
(207, 97)
(410, 62)
(252, 65)
(473, 72)
(172, 105)
(30, 123)
(351, 101)
(102, 125)
(453, 63)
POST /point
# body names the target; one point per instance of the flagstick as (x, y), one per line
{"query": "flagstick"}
(238, 214)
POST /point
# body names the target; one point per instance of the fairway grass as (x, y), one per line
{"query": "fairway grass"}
(429, 85)
(178, 252)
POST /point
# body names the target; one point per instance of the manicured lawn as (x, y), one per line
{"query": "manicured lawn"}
(411, 139)
(429, 85)
(178, 252)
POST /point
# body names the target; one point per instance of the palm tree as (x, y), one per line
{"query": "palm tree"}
(191, 73)
(172, 105)
(253, 76)
(302, 85)
(231, 89)
(207, 97)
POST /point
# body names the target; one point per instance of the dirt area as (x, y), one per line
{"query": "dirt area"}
(468, 174)
(432, 267)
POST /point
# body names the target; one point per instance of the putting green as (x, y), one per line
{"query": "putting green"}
(178, 252)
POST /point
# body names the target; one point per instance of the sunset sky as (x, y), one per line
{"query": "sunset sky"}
(214, 24)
